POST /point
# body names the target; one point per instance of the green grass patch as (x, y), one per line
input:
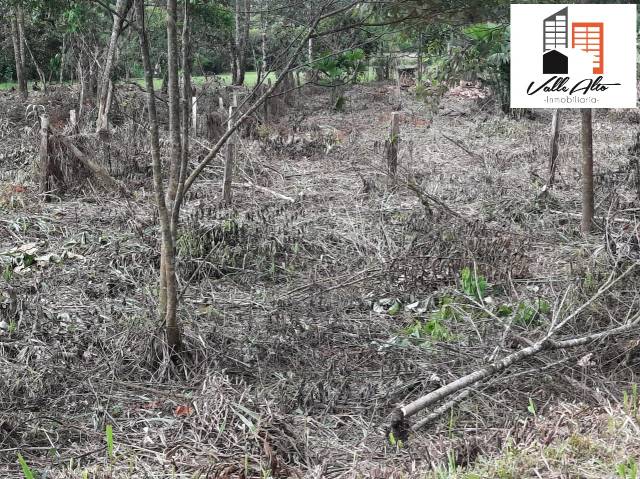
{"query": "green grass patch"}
(250, 79)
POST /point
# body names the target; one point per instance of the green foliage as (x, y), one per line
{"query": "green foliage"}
(528, 314)
(531, 407)
(435, 326)
(395, 308)
(7, 273)
(479, 51)
(109, 440)
(395, 442)
(628, 469)
(26, 470)
(472, 284)
(343, 68)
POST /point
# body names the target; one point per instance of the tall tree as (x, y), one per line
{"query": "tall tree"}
(105, 85)
(587, 169)
(17, 37)
(167, 295)
(169, 201)
(241, 37)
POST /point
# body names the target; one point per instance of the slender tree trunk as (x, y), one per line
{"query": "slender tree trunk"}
(587, 170)
(263, 47)
(102, 123)
(20, 19)
(187, 112)
(553, 153)
(241, 36)
(83, 87)
(90, 94)
(174, 100)
(63, 54)
(18, 54)
(41, 75)
(242, 57)
(168, 314)
(235, 49)
(420, 66)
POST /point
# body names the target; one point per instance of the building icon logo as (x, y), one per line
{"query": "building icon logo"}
(585, 36)
(573, 55)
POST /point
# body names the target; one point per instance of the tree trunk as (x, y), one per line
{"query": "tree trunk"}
(242, 57)
(41, 75)
(90, 94)
(62, 58)
(263, 48)
(19, 55)
(420, 66)
(235, 48)
(102, 123)
(174, 100)
(241, 35)
(587, 170)
(168, 287)
(188, 111)
(553, 153)
(83, 87)
(20, 19)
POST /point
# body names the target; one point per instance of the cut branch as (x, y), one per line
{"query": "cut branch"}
(95, 168)
(398, 420)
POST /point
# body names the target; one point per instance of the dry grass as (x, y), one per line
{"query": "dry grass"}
(292, 359)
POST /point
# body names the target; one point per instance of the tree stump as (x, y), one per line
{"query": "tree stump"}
(45, 184)
(229, 160)
(393, 144)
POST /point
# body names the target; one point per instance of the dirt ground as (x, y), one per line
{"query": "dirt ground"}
(299, 316)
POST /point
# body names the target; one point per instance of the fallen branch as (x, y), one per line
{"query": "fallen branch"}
(398, 420)
(425, 198)
(466, 150)
(598, 218)
(92, 166)
(265, 190)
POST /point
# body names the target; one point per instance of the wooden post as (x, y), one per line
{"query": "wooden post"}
(44, 157)
(73, 120)
(419, 73)
(398, 85)
(553, 154)
(194, 114)
(228, 160)
(587, 170)
(393, 144)
(220, 103)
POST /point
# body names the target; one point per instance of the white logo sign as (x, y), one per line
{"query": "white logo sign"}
(573, 56)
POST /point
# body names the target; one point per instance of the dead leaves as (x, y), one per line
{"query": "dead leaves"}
(183, 410)
(22, 259)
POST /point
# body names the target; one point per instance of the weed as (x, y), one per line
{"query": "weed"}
(473, 284)
(531, 407)
(529, 315)
(395, 442)
(7, 273)
(109, 439)
(628, 469)
(630, 401)
(26, 470)
(431, 329)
